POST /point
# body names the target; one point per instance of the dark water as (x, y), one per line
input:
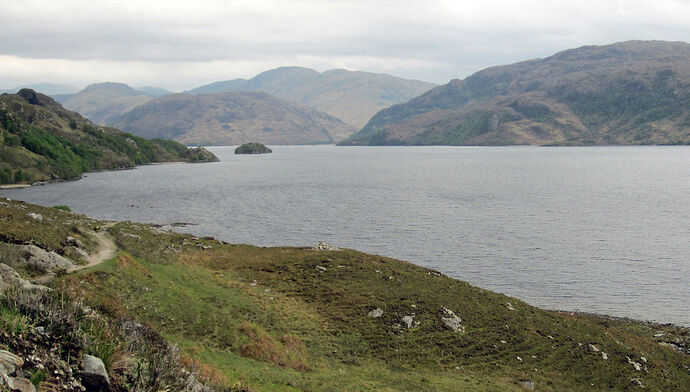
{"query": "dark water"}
(603, 229)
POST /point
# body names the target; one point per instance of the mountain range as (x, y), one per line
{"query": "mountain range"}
(232, 118)
(353, 97)
(635, 92)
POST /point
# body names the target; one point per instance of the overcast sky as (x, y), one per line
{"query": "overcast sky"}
(184, 44)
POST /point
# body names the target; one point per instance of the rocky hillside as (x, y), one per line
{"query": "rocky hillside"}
(353, 97)
(293, 319)
(40, 140)
(232, 118)
(635, 92)
(104, 103)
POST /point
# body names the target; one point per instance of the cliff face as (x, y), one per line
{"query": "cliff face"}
(635, 92)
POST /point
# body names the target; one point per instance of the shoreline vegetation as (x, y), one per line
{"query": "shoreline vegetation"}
(245, 318)
(40, 141)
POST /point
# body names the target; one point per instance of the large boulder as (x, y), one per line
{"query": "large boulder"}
(45, 261)
(94, 376)
(10, 278)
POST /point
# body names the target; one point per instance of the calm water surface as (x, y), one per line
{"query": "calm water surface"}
(602, 229)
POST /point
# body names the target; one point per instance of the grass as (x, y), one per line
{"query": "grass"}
(267, 319)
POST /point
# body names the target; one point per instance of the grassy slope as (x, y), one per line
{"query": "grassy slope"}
(300, 327)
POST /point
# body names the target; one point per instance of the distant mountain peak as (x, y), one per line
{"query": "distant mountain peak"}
(634, 92)
(352, 96)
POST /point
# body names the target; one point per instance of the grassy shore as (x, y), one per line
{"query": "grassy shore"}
(297, 319)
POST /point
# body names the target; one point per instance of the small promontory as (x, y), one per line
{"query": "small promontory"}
(253, 148)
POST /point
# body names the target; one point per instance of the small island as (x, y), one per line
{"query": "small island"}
(253, 148)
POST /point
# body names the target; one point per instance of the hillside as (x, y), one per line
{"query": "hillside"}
(40, 140)
(232, 118)
(353, 97)
(104, 103)
(298, 319)
(635, 92)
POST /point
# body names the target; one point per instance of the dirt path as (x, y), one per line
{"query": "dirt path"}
(106, 250)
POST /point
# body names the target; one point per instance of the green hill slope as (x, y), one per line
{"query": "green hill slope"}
(40, 140)
(298, 319)
(635, 92)
(353, 97)
(232, 118)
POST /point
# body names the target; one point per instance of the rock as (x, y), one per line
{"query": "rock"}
(593, 348)
(408, 322)
(19, 384)
(453, 322)
(529, 384)
(604, 356)
(10, 278)
(81, 252)
(45, 260)
(636, 365)
(94, 376)
(73, 241)
(9, 362)
(378, 312)
(510, 306)
(136, 237)
(325, 246)
(36, 216)
(321, 268)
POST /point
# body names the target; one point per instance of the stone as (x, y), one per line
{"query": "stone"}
(593, 348)
(35, 216)
(73, 241)
(604, 356)
(17, 384)
(408, 322)
(46, 260)
(453, 322)
(94, 376)
(321, 268)
(378, 312)
(529, 384)
(510, 306)
(325, 246)
(10, 278)
(9, 362)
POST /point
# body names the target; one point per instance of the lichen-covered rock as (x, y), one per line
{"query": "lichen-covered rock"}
(94, 376)
(35, 216)
(10, 278)
(452, 322)
(325, 246)
(378, 312)
(9, 362)
(18, 384)
(46, 261)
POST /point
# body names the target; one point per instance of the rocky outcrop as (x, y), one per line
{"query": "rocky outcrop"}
(45, 261)
(9, 363)
(325, 246)
(452, 322)
(10, 278)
